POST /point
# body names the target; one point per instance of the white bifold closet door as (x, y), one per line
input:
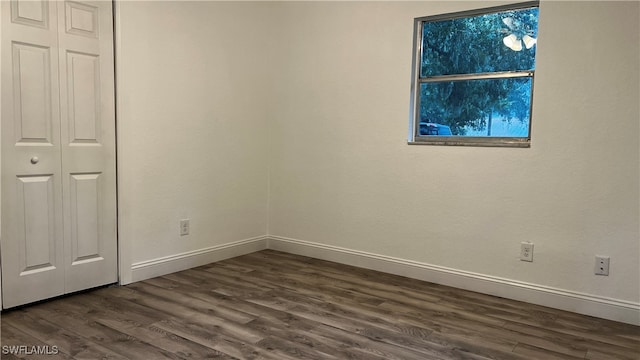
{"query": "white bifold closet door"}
(58, 149)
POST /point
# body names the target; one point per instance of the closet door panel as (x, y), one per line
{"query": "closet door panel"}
(31, 245)
(88, 143)
(58, 149)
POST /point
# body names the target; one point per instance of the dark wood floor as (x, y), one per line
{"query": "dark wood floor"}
(272, 305)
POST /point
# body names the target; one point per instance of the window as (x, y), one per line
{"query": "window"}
(473, 77)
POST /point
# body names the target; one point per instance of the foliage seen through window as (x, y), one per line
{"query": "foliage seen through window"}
(475, 75)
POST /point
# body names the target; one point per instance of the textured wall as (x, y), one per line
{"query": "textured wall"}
(193, 117)
(342, 174)
(220, 101)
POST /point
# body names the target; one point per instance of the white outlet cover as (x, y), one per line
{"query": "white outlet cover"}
(602, 265)
(184, 227)
(526, 251)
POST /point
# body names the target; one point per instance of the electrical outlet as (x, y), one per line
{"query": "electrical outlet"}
(602, 265)
(184, 227)
(526, 251)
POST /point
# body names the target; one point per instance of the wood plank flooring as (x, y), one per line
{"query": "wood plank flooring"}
(273, 305)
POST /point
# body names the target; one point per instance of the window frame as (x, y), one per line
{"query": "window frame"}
(416, 81)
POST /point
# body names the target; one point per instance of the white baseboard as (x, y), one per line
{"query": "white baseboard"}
(169, 264)
(606, 308)
(602, 307)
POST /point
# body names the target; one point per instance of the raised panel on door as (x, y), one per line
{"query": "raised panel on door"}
(30, 12)
(32, 261)
(85, 218)
(88, 143)
(82, 19)
(35, 224)
(83, 74)
(32, 93)
(87, 233)
(31, 243)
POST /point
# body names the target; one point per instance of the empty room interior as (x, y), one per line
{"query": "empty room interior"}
(264, 186)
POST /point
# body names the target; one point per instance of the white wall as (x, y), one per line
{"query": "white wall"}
(290, 118)
(1, 7)
(200, 85)
(343, 175)
(193, 106)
